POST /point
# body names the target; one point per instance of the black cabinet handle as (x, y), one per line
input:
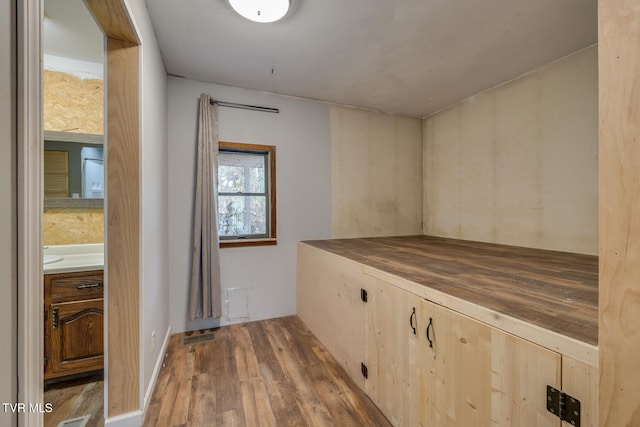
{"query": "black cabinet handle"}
(412, 319)
(430, 326)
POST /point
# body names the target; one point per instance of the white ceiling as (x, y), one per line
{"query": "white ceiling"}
(404, 56)
(71, 32)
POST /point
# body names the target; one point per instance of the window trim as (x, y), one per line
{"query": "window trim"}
(270, 151)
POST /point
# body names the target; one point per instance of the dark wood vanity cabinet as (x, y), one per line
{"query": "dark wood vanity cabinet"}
(73, 323)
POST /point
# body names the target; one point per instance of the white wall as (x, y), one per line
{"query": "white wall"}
(302, 138)
(376, 176)
(154, 275)
(75, 67)
(518, 164)
(8, 262)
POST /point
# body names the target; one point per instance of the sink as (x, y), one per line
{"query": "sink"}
(49, 259)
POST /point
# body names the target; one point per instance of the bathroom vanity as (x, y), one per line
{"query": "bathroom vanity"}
(73, 311)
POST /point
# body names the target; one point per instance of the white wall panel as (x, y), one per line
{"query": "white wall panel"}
(302, 138)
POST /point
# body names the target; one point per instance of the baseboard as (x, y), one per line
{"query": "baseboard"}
(156, 372)
(130, 419)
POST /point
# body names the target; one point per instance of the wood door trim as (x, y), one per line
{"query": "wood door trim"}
(124, 390)
(114, 20)
(122, 206)
(619, 139)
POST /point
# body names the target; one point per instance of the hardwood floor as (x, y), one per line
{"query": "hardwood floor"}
(267, 373)
(76, 398)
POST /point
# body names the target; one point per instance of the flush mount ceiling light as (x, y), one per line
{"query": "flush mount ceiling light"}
(261, 10)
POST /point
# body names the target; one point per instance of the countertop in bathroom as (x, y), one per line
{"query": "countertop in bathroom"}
(74, 258)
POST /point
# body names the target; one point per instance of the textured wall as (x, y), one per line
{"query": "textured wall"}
(376, 173)
(519, 164)
(73, 226)
(72, 104)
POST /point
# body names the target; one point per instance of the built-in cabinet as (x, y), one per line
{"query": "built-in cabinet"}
(428, 365)
(74, 323)
(424, 364)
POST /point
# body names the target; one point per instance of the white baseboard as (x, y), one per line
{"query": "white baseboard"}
(130, 419)
(156, 371)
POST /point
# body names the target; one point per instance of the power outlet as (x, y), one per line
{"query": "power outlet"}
(153, 342)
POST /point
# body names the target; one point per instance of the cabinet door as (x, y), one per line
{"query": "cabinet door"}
(329, 302)
(486, 377)
(392, 355)
(76, 341)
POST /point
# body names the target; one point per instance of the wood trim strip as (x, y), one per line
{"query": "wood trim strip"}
(246, 243)
(113, 18)
(122, 267)
(619, 201)
(82, 138)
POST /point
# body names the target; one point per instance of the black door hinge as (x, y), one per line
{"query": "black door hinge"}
(567, 408)
(364, 370)
(363, 295)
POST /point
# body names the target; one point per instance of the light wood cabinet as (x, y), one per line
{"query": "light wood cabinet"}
(329, 301)
(430, 366)
(395, 362)
(453, 370)
(484, 376)
(74, 323)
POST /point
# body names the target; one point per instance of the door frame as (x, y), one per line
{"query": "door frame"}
(122, 228)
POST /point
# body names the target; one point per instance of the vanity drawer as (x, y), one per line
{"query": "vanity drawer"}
(75, 286)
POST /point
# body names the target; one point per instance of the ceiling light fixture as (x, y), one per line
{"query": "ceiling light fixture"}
(261, 10)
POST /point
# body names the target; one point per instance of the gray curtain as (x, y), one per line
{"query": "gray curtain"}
(205, 293)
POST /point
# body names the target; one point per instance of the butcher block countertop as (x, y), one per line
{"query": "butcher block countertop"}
(557, 291)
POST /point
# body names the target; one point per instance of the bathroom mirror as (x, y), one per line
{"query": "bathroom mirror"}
(73, 166)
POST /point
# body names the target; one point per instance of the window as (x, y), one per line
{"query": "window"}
(246, 194)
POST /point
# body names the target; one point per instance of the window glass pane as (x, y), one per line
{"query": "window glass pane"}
(242, 215)
(241, 173)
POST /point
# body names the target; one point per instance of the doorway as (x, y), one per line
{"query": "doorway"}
(73, 215)
(121, 340)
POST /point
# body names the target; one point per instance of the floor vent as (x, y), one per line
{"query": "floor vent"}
(197, 338)
(75, 422)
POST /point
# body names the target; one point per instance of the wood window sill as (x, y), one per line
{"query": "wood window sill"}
(248, 242)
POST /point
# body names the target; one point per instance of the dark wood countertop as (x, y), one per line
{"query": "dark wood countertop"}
(557, 291)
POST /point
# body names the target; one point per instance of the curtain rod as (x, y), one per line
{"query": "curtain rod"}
(244, 106)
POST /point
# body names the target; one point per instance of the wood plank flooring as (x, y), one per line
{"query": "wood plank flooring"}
(267, 373)
(557, 291)
(76, 398)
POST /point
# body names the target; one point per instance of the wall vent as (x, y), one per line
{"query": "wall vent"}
(197, 338)
(237, 304)
(75, 422)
